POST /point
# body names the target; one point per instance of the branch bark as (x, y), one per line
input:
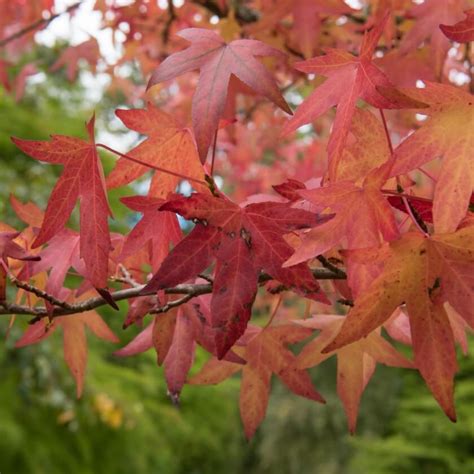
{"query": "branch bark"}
(42, 22)
(190, 290)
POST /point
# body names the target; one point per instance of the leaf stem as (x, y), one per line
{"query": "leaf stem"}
(149, 165)
(274, 312)
(213, 153)
(417, 220)
(333, 268)
(387, 133)
(427, 174)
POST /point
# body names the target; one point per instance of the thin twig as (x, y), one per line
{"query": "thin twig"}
(345, 302)
(327, 264)
(35, 25)
(415, 217)
(183, 289)
(206, 277)
(169, 22)
(172, 304)
(387, 134)
(467, 57)
(40, 293)
(429, 175)
(127, 277)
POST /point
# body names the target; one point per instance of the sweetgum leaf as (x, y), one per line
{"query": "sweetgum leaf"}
(243, 241)
(448, 133)
(422, 273)
(355, 363)
(82, 178)
(217, 61)
(349, 78)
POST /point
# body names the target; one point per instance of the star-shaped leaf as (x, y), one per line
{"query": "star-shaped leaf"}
(243, 241)
(362, 216)
(74, 339)
(422, 273)
(446, 134)
(168, 146)
(356, 362)
(82, 178)
(217, 61)
(266, 353)
(349, 78)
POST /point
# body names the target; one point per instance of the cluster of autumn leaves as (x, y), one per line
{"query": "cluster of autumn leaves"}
(356, 233)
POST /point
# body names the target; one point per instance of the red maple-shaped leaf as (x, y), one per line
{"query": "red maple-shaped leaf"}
(10, 249)
(448, 133)
(59, 256)
(349, 78)
(243, 241)
(463, 31)
(265, 353)
(174, 335)
(356, 362)
(82, 178)
(168, 146)
(423, 273)
(28, 212)
(362, 216)
(74, 339)
(217, 61)
(156, 230)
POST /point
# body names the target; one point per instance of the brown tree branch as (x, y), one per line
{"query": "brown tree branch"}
(331, 267)
(190, 290)
(35, 25)
(172, 304)
(40, 293)
(169, 22)
(127, 277)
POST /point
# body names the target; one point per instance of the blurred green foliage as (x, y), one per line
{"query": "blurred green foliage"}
(123, 423)
(419, 438)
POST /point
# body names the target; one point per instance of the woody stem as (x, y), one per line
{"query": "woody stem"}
(134, 292)
(35, 25)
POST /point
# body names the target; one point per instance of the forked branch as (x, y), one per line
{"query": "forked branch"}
(189, 290)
